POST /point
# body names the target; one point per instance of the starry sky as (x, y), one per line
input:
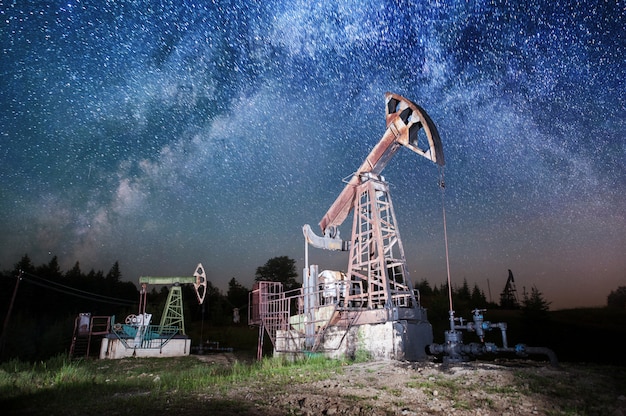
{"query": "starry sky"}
(161, 134)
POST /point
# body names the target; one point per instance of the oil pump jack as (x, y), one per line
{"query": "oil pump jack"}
(508, 298)
(173, 311)
(137, 337)
(373, 308)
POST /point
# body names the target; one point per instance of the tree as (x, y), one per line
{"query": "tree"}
(114, 275)
(617, 298)
(279, 269)
(478, 298)
(535, 306)
(50, 270)
(463, 293)
(237, 294)
(218, 311)
(75, 274)
(25, 265)
(424, 288)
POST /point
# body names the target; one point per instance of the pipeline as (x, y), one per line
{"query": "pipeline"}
(544, 351)
(455, 351)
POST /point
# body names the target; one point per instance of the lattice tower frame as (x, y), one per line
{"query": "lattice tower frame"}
(377, 268)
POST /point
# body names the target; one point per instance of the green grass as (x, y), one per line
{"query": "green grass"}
(142, 386)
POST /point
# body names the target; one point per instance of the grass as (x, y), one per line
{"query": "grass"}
(189, 386)
(141, 386)
(589, 398)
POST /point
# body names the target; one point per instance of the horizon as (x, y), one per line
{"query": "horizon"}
(492, 294)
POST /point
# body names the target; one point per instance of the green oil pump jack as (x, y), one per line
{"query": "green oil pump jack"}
(173, 311)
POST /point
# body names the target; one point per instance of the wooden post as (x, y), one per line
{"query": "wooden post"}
(6, 320)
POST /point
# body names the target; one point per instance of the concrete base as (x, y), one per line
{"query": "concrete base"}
(392, 340)
(113, 348)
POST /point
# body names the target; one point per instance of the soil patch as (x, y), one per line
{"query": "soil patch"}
(428, 388)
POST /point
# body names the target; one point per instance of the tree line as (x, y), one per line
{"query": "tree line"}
(40, 303)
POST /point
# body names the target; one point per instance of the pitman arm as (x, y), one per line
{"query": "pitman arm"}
(404, 121)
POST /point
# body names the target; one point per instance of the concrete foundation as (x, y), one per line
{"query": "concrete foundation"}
(392, 340)
(113, 348)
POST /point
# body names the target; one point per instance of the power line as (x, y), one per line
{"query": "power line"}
(74, 289)
(68, 290)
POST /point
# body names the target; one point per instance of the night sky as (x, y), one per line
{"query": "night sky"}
(163, 134)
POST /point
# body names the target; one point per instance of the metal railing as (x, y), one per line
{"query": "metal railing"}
(289, 326)
(144, 336)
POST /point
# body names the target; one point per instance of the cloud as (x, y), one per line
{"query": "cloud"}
(129, 197)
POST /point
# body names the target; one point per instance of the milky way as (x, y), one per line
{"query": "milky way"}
(163, 134)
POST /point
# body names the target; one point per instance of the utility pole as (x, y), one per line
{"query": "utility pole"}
(8, 317)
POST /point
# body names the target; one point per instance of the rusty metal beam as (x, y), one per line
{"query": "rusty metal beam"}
(405, 120)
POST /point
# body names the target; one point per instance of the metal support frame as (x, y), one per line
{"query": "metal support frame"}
(377, 267)
(173, 311)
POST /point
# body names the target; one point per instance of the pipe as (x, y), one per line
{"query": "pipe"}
(456, 352)
(544, 351)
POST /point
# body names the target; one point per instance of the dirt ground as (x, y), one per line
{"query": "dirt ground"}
(516, 387)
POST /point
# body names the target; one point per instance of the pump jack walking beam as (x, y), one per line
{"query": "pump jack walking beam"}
(407, 124)
(404, 120)
(198, 280)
